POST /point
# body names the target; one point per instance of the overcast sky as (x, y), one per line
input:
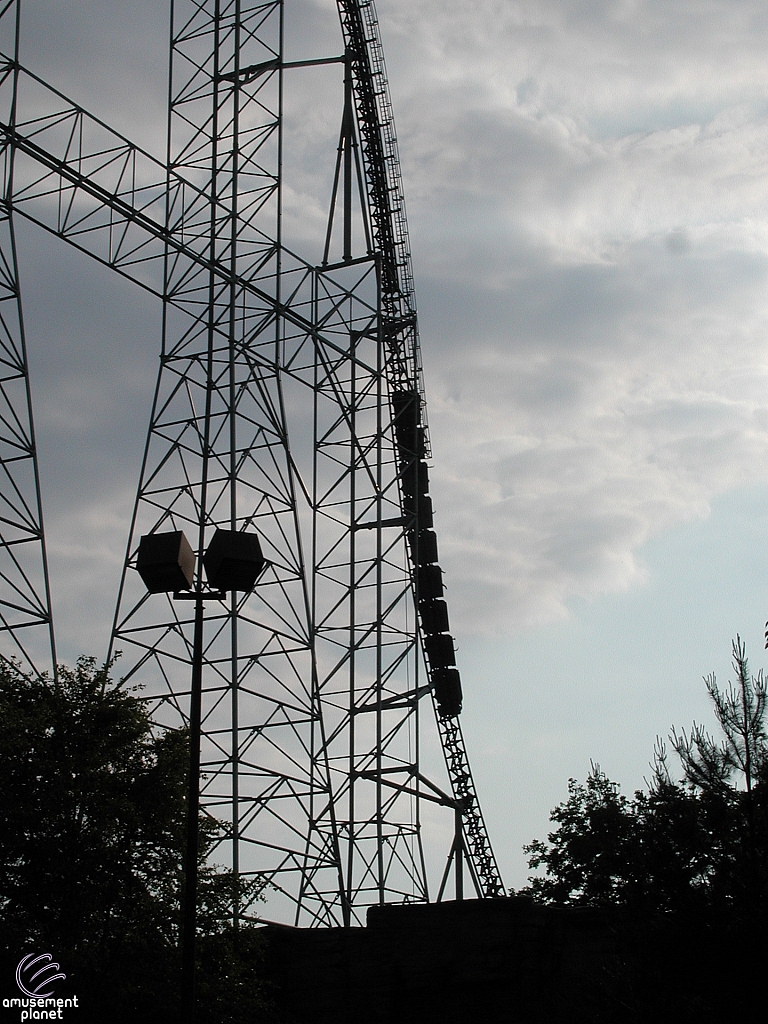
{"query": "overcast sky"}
(588, 206)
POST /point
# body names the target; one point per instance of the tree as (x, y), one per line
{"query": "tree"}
(740, 712)
(699, 841)
(92, 829)
(733, 772)
(83, 846)
(647, 851)
(676, 873)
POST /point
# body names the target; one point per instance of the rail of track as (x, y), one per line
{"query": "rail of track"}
(390, 230)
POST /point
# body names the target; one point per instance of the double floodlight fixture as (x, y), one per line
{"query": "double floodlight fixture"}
(233, 561)
(166, 563)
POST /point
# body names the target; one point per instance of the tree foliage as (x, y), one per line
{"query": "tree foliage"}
(740, 758)
(700, 841)
(92, 832)
(677, 874)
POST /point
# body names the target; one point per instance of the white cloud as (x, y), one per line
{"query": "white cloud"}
(586, 187)
(558, 456)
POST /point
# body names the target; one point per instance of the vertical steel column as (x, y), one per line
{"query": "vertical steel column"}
(26, 620)
(234, 743)
(380, 398)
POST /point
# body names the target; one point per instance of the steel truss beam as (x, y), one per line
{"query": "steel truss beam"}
(273, 412)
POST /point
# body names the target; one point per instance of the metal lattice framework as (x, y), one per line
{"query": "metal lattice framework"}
(289, 403)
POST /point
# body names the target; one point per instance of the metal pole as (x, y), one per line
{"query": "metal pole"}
(459, 842)
(349, 132)
(193, 809)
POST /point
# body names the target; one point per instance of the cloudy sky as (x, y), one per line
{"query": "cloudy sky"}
(587, 188)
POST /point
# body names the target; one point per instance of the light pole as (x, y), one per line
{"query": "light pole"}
(166, 563)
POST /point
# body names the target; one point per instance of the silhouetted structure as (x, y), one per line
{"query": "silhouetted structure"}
(513, 961)
(290, 405)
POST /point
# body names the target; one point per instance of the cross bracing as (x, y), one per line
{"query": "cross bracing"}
(290, 403)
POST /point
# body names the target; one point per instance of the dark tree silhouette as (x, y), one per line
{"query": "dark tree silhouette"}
(648, 851)
(677, 873)
(698, 841)
(92, 816)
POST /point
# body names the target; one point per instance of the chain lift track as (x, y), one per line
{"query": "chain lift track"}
(290, 403)
(390, 228)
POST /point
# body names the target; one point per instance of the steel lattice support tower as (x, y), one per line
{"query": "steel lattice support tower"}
(289, 403)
